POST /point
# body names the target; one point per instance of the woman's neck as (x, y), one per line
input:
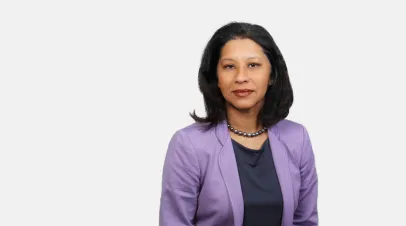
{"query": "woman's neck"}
(246, 121)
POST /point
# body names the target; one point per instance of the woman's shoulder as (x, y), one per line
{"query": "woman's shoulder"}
(195, 133)
(293, 135)
(196, 129)
(290, 132)
(290, 128)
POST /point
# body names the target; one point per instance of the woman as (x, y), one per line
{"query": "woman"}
(244, 163)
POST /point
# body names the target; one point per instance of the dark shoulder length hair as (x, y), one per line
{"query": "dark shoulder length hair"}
(279, 96)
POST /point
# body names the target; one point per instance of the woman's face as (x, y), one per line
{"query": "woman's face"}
(243, 73)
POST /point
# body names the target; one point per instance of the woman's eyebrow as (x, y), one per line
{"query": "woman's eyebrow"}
(248, 58)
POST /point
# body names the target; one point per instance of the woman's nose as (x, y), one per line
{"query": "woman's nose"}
(241, 76)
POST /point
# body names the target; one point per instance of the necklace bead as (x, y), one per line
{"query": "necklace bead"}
(245, 134)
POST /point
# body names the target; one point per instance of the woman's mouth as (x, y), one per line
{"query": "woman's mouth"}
(242, 92)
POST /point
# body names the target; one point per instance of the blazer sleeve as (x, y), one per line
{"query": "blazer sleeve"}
(180, 183)
(306, 213)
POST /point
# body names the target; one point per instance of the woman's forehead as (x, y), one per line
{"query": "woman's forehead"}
(241, 48)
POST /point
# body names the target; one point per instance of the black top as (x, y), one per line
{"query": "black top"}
(263, 202)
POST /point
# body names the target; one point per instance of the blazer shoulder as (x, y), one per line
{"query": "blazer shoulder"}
(293, 135)
(196, 134)
(289, 128)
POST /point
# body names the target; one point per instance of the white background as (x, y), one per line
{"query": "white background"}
(92, 91)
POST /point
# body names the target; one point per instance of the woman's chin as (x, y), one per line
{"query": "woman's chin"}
(244, 105)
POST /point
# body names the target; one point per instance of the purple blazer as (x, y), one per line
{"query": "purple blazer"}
(201, 185)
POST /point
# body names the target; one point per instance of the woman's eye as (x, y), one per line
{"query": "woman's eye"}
(230, 66)
(254, 65)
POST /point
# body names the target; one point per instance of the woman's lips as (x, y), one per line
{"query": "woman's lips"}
(242, 92)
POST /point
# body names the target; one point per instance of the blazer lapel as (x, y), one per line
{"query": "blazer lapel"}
(229, 173)
(281, 161)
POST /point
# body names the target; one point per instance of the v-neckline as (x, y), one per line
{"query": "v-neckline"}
(261, 149)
